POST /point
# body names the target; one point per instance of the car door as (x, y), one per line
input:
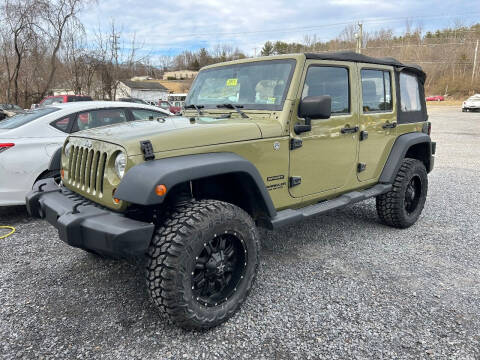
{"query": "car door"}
(378, 119)
(325, 158)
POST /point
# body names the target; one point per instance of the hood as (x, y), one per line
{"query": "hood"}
(175, 132)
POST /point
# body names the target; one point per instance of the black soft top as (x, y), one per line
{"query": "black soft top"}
(355, 57)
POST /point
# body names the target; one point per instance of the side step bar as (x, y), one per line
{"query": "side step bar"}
(290, 216)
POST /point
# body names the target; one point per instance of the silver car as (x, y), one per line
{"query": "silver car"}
(472, 103)
(28, 140)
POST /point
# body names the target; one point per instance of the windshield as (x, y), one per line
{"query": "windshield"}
(22, 119)
(259, 85)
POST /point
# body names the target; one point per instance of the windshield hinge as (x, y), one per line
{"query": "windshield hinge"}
(147, 150)
(295, 143)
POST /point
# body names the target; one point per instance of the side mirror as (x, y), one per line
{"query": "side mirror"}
(312, 108)
(316, 107)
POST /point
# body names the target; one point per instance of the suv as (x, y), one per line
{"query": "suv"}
(59, 99)
(262, 142)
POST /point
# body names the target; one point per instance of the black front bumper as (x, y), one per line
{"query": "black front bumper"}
(86, 225)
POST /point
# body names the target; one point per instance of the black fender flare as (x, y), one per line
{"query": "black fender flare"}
(398, 152)
(56, 160)
(139, 182)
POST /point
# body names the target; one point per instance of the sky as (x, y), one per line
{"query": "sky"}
(170, 27)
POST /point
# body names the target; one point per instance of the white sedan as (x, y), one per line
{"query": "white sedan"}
(472, 103)
(28, 140)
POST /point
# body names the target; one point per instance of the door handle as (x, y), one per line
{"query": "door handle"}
(387, 125)
(349, 130)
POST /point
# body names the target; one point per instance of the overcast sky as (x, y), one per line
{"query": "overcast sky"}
(169, 27)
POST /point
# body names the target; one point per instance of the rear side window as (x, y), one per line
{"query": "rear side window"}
(24, 118)
(409, 93)
(376, 91)
(96, 118)
(62, 124)
(53, 100)
(332, 81)
(144, 114)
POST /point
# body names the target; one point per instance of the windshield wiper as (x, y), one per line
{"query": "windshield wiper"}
(196, 107)
(234, 107)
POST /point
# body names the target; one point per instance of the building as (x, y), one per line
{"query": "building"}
(180, 75)
(145, 90)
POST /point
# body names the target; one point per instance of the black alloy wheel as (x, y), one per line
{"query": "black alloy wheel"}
(219, 268)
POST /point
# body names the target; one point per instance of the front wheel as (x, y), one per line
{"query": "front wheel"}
(202, 263)
(401, 207)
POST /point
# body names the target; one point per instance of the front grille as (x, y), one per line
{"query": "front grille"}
(87, 169)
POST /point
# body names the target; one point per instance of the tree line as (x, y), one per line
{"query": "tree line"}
(44, 46)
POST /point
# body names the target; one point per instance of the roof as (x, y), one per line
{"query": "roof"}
(176, 86)
(91, 105)
(355, 57)
(144, 85)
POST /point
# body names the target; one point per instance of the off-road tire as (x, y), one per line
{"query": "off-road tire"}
(391, 206)
(172, 257)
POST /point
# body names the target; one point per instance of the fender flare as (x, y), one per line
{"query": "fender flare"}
(398, 152)
(56, 160)
(139, 182)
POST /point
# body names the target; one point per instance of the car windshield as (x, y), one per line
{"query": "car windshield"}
(22, 119)
(474, 97)
(259, 85)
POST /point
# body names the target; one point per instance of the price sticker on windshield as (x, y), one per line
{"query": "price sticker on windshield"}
(232, 82)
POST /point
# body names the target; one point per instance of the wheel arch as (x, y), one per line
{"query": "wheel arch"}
(412, 145)
(220, 176)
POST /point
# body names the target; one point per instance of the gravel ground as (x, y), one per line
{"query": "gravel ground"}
(337, 286)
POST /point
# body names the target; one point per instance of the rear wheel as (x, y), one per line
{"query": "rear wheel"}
(402, 206)
(202, 263)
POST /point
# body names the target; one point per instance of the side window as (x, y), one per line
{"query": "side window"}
(48, 101)
(143, 114)
(409, 93)
(95, 118)
(376, 90)
(61, 124)
(329, 80)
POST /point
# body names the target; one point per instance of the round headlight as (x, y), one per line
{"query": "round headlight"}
(67, 149)
(120, 163)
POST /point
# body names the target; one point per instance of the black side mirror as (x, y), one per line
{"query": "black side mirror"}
(311, 108)
(316, 107)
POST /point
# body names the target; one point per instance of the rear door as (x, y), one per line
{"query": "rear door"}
(378, 119)
(327, 157)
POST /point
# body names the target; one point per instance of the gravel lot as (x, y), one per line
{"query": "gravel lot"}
(337, 286)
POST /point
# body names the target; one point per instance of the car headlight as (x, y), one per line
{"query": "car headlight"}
(120, 163)
(67, 149)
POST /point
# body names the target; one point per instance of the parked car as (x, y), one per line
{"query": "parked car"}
(166, 105)
(263, 142)
(7, 110)
(28, 140)
(472, 103)
(435, 98)
(59, 99)
(133, 100)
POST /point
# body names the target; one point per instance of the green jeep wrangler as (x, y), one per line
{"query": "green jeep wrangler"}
(261, 142)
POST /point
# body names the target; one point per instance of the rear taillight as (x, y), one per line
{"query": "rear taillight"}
(5, 146)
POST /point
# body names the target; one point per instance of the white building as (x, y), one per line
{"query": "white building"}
(145, 90)
(180, 75)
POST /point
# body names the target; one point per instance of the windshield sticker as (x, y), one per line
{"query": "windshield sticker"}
(232, 82)
(271, 100)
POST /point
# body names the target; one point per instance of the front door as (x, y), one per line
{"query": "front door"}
(378, 119)
(327, 157)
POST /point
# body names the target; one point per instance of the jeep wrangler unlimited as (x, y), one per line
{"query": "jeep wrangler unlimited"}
(262, 142)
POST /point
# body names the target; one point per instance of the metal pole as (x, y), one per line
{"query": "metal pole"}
(474, 62)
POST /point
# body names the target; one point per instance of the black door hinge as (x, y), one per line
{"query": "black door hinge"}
(361, 167)
(296, 143)
(363, 135)
(295, 180)
(147, 150)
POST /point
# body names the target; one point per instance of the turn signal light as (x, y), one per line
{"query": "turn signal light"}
(160, 190)
(62, 173)
(115, 200)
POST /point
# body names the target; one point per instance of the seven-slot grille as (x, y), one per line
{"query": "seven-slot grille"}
(87, 169)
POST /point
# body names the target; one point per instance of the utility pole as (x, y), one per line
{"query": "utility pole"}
(474, 62)
(359, 37)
